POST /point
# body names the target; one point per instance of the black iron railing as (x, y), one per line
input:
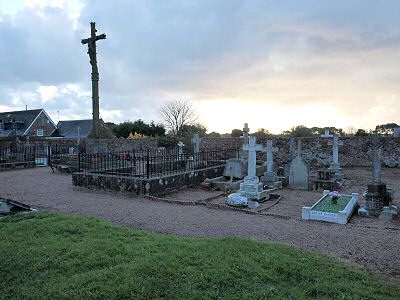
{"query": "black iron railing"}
(152, 163)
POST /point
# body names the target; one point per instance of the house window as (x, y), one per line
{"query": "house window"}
(1, 125)
(39, 132)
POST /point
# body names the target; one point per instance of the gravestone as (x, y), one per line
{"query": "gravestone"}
(377, 196)
(299, 171)
(196, 146)
(180, 149)
(235, 168)
(196, 143)
(245, 141)
(252, 188)
(269, 178)
(396, 132)
(327, 134)
(335, 165)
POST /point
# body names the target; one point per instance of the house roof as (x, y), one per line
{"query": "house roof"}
(22, 117)
(74, 129)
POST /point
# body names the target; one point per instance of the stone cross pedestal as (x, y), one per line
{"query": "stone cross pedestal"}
(251, 188)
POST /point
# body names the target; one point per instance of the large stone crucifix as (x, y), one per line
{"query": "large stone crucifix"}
(252, 147)
(91, 42)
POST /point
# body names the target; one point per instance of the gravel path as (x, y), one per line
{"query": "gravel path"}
(365, 242)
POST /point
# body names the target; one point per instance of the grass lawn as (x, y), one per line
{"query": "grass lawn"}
(55, 256)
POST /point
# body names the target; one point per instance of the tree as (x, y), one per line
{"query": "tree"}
(385, 129)
(236, 133)
(262, 132)
(189, 130)
(214, 134)
(301, 131)
(139, 126)
(361, 132)
(177, 113)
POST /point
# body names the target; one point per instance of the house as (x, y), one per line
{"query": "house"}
(80, 129)
(33, 122)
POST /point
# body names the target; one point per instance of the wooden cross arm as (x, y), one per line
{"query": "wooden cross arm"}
(101, 37)
(90, 40)
(85, 41)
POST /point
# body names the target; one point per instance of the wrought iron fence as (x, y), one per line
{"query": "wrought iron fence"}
(152, 163)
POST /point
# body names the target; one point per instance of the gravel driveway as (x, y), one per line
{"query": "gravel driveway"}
(366, 242)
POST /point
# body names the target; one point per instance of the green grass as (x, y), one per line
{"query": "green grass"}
(327, 205)
(50, 256)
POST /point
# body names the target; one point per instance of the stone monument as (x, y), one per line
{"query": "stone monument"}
(245, 140)
(180, 149)
(377, 195)
(299, 171)
(335, 165)
(252, 188)
(196, 146)
(269, 178)
(91, 42)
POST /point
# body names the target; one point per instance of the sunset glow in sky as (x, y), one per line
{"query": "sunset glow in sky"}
(272, 64)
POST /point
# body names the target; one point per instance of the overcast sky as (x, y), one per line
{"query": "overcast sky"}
(272, 64)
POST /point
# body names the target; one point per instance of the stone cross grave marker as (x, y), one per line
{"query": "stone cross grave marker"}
(180, 149)
(377, 165)
(196, 146)
(327, 134)
(91, 42)
(252, 149)
(245, 136)
(196, 142)
(270, 159)
(335, 150)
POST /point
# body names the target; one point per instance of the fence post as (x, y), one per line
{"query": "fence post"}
(48, 155)
(148, 165)
(79, 161)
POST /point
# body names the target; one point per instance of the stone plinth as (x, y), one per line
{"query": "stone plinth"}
(252, 189)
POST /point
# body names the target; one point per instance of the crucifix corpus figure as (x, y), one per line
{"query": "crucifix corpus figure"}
(95, 75)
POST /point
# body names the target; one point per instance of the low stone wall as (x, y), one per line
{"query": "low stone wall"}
(118, 145)
(141, 186)
(355, 152)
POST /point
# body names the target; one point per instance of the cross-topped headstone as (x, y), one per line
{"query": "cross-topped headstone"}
(91, 42)
(327, 134)
(196, 142)
(377, 165)
(270, 160)
(245, 136)
(335, 149)
(252, 148)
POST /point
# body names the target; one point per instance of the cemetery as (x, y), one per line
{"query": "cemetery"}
(278, 209)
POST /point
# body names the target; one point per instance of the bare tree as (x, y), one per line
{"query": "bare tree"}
(177, 113)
